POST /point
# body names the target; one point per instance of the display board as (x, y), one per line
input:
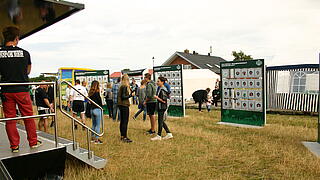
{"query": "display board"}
(67, 74)
(137, 75)
(243, 92)
(174, 75)
(98, 75)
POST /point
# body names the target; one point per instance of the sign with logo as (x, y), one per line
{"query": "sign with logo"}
(243, 92)
(98, 75)
(174, 75)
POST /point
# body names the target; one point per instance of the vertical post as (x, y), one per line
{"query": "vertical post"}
(73, 135)
(55, 114)
(319, 104)
(152, 62)
(88, 141)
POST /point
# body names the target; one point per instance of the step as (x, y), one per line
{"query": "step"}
(79, 153)
(82, 154)
(44, 161)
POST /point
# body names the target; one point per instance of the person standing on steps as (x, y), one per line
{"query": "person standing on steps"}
(78, 102)
(96, 113)
(15, 66)
(162, 97)
(151, 102)
(124, 95)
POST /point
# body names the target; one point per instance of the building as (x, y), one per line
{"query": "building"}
(114, 76)
(293, 87)
(195, 61)
(199, 71)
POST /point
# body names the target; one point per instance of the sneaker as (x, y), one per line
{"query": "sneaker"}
(39, 143)
(93, 140)
(150, 132)
(156, 138)
(15, 149)
(168, 136)
(98, 141)
(126, 140)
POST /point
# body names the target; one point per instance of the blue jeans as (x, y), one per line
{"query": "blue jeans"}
(96, 120)
(115, 112)
(144, 109)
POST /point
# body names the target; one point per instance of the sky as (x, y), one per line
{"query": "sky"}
(119, 34)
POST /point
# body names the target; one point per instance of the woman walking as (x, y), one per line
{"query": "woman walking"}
(162, 97)
(123, 103)
(96, 113)
(141, 98)
(108, 98)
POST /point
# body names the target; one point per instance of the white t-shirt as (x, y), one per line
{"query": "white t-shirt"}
(76, 96)
(68, 93)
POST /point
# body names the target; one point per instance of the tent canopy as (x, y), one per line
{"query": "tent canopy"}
(32, 16)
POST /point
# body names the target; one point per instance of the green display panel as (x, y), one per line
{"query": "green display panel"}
(243, 92)
(174, 75)
(98, 75)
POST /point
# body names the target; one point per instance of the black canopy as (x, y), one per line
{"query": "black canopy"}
(32, 16)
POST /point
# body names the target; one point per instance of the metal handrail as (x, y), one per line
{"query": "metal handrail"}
(79, 122)
(54, 115)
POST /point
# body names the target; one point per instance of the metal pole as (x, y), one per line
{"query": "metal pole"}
(73, 135)
(88, 141)
(55, 114)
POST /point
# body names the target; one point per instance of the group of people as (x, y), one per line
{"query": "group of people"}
(15, 66)
(203, 96)
(148, 97)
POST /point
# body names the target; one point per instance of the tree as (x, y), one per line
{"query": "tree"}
(125, 70)
(43, 78)
(240, 56)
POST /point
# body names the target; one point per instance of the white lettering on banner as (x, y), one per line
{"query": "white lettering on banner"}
(11, 54)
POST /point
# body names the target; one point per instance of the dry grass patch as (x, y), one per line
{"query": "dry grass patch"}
(201, 149)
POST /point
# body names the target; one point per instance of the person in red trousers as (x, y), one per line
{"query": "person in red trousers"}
(15, 66)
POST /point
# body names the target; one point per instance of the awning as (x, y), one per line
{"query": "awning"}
(32, 16)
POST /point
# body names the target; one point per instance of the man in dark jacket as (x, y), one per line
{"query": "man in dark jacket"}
(200, 96)
(216, 96)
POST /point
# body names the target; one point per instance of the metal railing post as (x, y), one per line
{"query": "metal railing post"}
(74, 120)
(88, 141)
(55, 114)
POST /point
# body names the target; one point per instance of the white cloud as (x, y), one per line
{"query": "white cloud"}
(119, 34)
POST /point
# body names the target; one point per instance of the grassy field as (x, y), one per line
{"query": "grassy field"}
(201, 149)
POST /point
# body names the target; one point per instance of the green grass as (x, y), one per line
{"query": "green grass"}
(201, 149)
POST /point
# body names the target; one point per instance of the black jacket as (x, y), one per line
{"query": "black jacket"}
(200, 96)
(164, 95)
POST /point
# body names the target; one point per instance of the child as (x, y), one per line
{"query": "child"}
(209, 102)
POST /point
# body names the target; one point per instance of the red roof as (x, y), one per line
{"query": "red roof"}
(115, 75)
